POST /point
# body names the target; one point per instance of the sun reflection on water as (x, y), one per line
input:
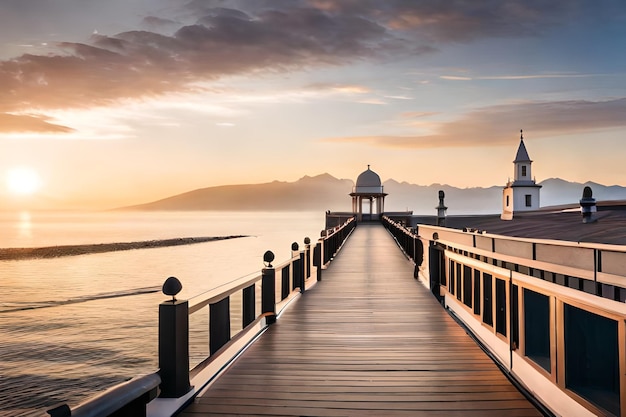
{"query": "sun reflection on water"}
(25, 225)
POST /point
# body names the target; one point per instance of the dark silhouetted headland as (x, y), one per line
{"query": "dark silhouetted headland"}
(72, 250)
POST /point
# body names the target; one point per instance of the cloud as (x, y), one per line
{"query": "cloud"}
(518, 77)
(30, 123)
(141, 64)
(400, 97)
(463, 20)
(236, 37)
(339, 88)
(455, 78)
(158, 23)
(417, 114)
(496, 125)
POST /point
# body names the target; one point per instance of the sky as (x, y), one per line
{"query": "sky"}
(112, 103)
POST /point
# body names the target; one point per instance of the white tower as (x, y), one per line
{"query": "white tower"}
(523, 193)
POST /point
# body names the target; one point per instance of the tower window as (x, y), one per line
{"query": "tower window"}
(529, 200)
(523, 170)
(507, 201)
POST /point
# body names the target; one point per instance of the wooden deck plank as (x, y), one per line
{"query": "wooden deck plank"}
(368, 340)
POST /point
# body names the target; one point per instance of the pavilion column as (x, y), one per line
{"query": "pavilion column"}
(360, 215)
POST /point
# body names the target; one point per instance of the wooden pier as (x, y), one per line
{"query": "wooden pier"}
(367, 340)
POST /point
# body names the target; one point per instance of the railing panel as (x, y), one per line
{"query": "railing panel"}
(592, 358)
(574, 340)
(235, 314)
(219, 324)
(248, 306)
(536, 308)
(485, 243)
(514, 248)
(614, 263)
(581, 258)
(285, 285)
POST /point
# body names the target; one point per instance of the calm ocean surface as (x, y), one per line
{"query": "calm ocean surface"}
(53, 352)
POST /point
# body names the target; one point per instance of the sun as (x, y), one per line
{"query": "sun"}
(23, 181)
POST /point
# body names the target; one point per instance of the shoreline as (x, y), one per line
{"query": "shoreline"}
(18, 254)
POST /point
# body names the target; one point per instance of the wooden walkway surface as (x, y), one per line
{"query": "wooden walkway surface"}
(368, 340)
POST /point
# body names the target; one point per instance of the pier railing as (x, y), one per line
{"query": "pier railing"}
(332, 239)
(551, 313)
(229, 328)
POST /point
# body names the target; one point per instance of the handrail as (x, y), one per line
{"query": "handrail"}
(594, 268)
(408, 239)
(214, 295)
(173, 378)
(564, 339)
(277, 290)
(126, 399)
(556, 242)
(549, 312)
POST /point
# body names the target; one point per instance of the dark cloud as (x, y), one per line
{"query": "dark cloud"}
(143, 63)
(460, 20)
(493, 126)
(237, 36)
(158, 23)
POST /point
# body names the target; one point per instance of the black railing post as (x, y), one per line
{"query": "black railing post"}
(307, 264)
(295, 267)
(268, 288)
(174, 347)
(317, 259)
(436, 267)
(301, 272)
(248, 306)
(325, 248)
(219, 324)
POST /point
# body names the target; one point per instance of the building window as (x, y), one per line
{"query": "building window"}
(523, 170)
(507, 201)
(529, 200)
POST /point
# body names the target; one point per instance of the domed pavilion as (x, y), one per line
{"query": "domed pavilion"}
(368, 188)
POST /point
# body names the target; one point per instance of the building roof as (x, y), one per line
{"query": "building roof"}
(522, 153)
(610, 227)
(368, 178)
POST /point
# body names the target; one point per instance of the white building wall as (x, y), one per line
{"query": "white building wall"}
(519, 198)
(507, 204)
(522, 168)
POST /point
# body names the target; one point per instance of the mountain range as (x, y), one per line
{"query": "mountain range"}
(325, 192)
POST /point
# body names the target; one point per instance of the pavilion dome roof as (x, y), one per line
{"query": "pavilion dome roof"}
(368, 183)
(368, 178)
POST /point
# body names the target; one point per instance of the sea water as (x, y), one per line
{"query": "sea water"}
(73, 326)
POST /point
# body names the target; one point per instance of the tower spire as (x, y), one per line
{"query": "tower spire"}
(521, 134)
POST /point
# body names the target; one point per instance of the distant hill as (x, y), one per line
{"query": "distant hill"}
(556, 191)
(322, 192)
(325, 192)
(423, 199)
